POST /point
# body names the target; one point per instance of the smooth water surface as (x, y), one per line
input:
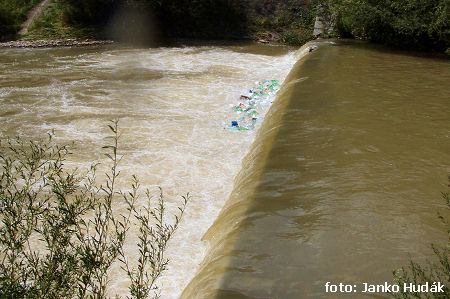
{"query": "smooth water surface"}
(342, 183)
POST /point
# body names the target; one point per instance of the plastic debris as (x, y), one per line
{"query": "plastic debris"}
(252, 105)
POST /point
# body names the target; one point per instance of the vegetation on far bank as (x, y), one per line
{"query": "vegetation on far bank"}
(289, 22)
(54, 24)
(12, 14)
(408, 24)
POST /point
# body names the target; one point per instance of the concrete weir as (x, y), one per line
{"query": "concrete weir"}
(342, 183)
(223, 235)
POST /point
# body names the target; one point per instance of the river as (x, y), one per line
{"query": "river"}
(343, 183)
(340, 183)
(172, 103)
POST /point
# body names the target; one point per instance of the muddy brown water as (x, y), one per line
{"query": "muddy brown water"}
(172, 103)
(342, 183)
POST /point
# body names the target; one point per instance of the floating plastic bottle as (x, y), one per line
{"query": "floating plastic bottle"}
(252, 105)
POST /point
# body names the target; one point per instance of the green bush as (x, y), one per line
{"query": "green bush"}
(292, 20)
(51, 25)
(298, 36)
(59, 235)
(409, 24)
(12, 15)
(213, 19)
(203, 18)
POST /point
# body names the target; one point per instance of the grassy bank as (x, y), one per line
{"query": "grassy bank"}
(53, 24)
(288, 22)
(411, 24)
(12, 14)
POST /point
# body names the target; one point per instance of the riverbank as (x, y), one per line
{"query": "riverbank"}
(272, 22)
(83, 42)
(54, 43)
(418, 27)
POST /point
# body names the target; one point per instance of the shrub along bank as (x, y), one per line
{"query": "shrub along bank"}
(409, 24)
(287, 21)
(12, 14)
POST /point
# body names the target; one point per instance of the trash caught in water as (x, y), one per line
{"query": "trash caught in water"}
(252, 105)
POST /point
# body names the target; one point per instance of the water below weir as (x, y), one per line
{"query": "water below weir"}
(343, 182)
(171, 102)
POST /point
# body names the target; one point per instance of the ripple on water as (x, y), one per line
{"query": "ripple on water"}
(171, 102)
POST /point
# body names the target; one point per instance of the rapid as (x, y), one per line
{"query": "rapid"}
(172, 103)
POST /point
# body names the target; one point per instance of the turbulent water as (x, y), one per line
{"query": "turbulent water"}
(343, 182)
(171, 102)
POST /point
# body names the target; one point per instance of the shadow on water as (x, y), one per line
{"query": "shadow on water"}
(342, 183)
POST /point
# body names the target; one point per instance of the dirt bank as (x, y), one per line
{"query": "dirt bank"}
(53, 43)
